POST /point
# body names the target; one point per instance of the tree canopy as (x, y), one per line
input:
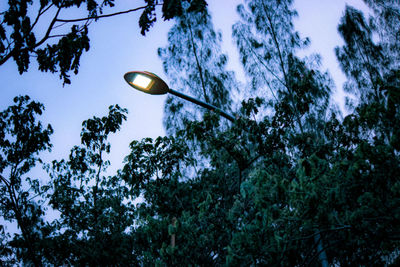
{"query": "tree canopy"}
(292, 182)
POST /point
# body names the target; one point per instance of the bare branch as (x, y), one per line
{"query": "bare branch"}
(59, 25)
(39, 194)
(40, 13)
(199, 69)
(104, 16)
(5, 181)
(46, 36)
(56, 36)
(6, 57)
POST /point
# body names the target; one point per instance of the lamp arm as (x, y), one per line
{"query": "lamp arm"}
(203, 104)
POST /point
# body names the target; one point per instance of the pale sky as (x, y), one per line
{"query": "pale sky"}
(117, 47)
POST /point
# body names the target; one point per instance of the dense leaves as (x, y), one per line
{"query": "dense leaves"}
(93, 217)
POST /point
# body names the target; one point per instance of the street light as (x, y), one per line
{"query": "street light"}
(150, 83)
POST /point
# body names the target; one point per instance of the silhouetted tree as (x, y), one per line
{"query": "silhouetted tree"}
(58, 45)
(22, 198)
(95, 222)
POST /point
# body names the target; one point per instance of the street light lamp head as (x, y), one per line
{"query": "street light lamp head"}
(146, 82)
(150, 83)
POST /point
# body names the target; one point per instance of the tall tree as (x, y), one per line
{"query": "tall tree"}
(297, 100)
(370, 157)
(195, 65)
(207, 181)
(268, 44)
(361, 59)
(387, 20)
(216, 209)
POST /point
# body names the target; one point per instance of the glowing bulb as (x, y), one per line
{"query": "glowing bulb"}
(142, 81)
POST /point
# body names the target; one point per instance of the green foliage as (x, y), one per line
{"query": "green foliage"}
(170, 10)
(299, 186)
(94, 219)
(153, 171)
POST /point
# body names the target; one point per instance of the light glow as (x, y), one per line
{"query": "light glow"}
(142, 81)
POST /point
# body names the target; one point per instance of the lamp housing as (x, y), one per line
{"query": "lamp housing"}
(146, 82)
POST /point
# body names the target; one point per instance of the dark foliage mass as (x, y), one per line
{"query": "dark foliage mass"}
(292, 182)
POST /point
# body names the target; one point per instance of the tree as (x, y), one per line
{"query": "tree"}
(215, 209)
(369, 154)
(22, 137)
(268, 44)
(184, 217)
(296, 101)
(95, 221)
(195, 65)
(387, 21)
(59, 46)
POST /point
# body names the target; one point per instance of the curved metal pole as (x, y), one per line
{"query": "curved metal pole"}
(203, 104)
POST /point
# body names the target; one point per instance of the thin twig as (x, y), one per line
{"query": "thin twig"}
(46, 36)
(104, 16)
(40, 13)
(5, 181)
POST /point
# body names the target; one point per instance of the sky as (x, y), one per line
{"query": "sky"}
(117, 47)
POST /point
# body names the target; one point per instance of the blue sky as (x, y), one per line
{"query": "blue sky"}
(118, 47)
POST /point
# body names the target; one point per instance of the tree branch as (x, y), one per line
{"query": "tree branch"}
(261, 61)
(6, 57)
(104, 16)
(274, 37)
(198, 64)
(40, 13)
(282, 63)
(46, 36)
(39, 194)
(5, 181)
